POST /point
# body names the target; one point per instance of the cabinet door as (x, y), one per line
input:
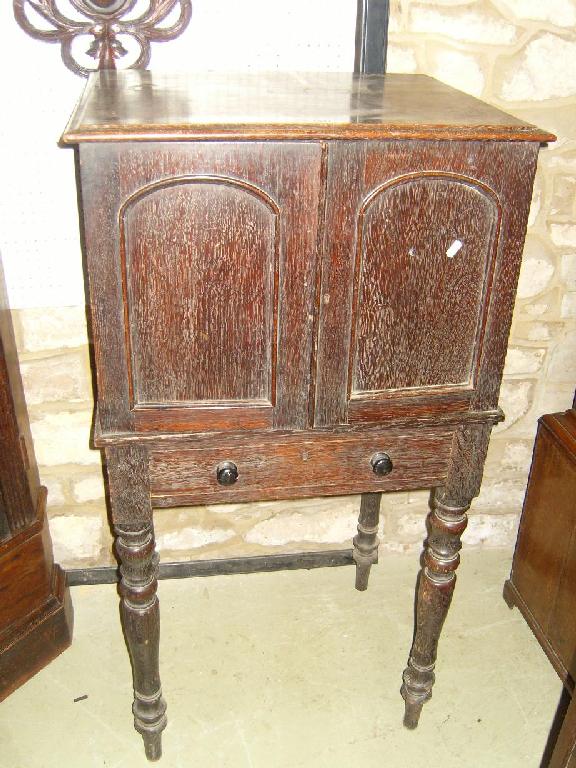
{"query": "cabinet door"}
(206, 287)
(413, 253)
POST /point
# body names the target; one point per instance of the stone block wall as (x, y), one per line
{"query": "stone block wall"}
(519, 55)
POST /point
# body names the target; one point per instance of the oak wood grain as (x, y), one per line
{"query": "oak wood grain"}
(145, 106)
(203, 300)
(418, 417)
(295, 467)
(417, 311)
(194, 319)
(289, 275)
(395, 336)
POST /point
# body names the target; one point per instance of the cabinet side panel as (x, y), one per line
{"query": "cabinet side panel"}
(100, 192)
(543, 568)
(511, 166)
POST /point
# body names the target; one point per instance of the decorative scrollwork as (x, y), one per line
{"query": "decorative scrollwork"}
(105, 25)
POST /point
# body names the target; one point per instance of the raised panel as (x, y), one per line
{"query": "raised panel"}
(387, 323)
(203, 291)
(424, 257)
(200, 271)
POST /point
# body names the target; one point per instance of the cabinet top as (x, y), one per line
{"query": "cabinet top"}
(134, 105)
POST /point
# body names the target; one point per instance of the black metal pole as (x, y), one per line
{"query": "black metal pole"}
(371, 36)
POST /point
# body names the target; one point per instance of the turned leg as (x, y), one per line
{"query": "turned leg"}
(366, 542)
(446, 523)
(139, 608)
(141, 622)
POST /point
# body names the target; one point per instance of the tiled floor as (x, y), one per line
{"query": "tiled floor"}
(295, 670)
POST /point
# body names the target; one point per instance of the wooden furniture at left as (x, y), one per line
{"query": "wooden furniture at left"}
(35, 609)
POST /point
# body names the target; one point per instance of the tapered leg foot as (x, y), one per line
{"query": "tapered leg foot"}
(153, 746)
(412, 710)
(366, 542)
(416, 690)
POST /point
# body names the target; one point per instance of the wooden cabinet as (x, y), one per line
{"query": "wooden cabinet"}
(542, 583)
(36, 617)
(299, 285)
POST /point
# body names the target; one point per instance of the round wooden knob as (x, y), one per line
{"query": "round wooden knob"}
(227, 473)
(381, 464)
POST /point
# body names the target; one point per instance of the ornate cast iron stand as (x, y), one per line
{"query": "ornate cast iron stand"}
(107, 22)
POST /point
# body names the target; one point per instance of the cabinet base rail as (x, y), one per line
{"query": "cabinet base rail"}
(186, 569)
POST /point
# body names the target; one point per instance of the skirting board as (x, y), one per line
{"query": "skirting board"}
(223, 566)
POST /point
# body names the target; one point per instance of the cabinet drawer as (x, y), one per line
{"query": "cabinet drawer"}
(294, 466)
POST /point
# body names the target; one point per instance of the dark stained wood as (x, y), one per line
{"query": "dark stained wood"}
(435, 403)
(100, 200)
(35, 611)
(19, 479)
(33, 643)
(174, 439)
(394, 354)
(542, 583)
(543, 578)
(213, 284)
(366, 540)
(406, 229)
(207, 416)
(343, 189)
(24, 562)
(127, 469)
(225, 566)
(446, 523)
(294, 467)
(201, 326)
(146, 106)
(291, 275)
(140, 614)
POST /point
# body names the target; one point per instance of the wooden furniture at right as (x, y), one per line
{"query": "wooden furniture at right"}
(542, 583)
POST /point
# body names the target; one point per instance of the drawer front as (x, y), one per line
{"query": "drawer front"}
(293, 467)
